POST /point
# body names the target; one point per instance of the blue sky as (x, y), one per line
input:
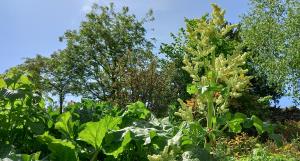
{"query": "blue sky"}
(33, 27)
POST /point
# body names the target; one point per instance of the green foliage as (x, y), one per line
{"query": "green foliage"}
(174, 53)
(118, 147)
(65, 125)
(22, 157)
(111, 56)
(22, 113)
(52, 75)
(137, 110)
(270, 33)
(60, 149)
(94, 132)
(260, 153)
(113, 62)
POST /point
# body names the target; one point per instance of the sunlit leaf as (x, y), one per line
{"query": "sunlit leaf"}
(65, 125)
(94, 132)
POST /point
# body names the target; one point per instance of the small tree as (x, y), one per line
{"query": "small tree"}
(51, 75)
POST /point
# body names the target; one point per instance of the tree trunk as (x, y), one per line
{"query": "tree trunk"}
(61, 101)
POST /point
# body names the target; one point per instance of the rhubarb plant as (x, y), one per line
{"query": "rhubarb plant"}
(215, 63)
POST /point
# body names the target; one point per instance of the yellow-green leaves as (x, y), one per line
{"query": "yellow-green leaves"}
(2, 83)
(218, 15)
(60, 149)
(137, 110)
(94, 132)
(65, 125)
(235, 123)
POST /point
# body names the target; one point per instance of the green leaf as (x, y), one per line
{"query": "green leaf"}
(265, 99)
(2, 83)
(65, 125)
(60, 149)
(191, 88)
(248, 123)
(277, 138)
(4, 150)
(235, 126)
(235, 123)
(118, 148)
(258, 124)
(137, 109)
(152, 134)
(215, 87)
(25, 157)
(268, 128)
(37, 128)
(24, 80)
(94, 132)
(240, 117)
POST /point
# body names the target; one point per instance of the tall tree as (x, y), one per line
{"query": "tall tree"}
(112, 58)
(270, 30)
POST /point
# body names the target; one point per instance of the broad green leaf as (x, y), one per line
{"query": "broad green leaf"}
(137, 109)
(65, 125)
(94, 132)
(119, 147)
(191, 88)
(60, 149)
(258, 124)
(2, 83)
(235, 123)
(277, 138)
(224, 118)
(268, 128)
(239, 117)
(46, 138)
(248, 123)
(24, 80)
(235, 127)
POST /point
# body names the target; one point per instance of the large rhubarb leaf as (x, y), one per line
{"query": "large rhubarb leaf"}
(65, 125)
(94, 132)
(60, 149)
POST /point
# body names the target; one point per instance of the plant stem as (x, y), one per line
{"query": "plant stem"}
(94, 158)
(210, 110)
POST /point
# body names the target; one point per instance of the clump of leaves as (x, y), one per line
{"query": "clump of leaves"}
(22, 113)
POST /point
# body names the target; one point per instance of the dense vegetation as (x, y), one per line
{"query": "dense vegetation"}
(207, 98)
